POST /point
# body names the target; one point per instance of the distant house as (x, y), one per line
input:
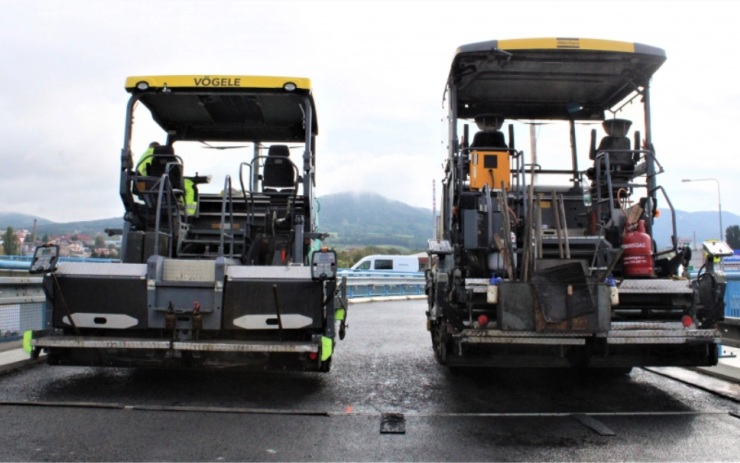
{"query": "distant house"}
(21, 234)
(75, 249)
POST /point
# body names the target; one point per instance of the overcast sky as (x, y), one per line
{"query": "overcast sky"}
(378, 71)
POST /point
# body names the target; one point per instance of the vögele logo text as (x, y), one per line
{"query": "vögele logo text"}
(217, 82)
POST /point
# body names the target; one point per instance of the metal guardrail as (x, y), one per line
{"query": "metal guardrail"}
(22, 301)
(24, 262)
(732, 295)
(382, 284)
(730, 328)
(22, 305)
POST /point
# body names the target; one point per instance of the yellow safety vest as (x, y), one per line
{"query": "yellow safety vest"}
(145, 160)
(191, 204)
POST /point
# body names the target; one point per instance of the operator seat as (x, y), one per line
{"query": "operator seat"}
(616, 143)
(488, 139)
(490, 135)
(488, 161)
(164, 160)
(272, 244)
(279, 172)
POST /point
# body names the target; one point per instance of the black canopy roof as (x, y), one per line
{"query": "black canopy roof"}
(250, 109)
(557, 78)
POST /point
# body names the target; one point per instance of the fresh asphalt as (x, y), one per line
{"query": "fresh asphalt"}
(12, 355)
(385, 365)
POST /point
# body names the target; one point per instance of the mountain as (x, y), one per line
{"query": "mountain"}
(18, 220)
(370, 219)
(694, 227)
(89, 227)
(363, 219)
(359, 219)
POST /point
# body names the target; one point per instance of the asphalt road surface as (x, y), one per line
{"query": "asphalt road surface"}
(384, 377)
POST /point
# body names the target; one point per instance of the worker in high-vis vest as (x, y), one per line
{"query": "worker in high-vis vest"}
(191, 203)
(340, 315)
(146, 159)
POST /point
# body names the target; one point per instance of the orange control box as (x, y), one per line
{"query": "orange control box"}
(489, 168)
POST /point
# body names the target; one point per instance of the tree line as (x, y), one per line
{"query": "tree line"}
(346, 257)
(732, 236)
(11, 242)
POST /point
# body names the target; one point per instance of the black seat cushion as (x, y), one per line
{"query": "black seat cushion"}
(164, 155)
(278, 171)
(489, 140)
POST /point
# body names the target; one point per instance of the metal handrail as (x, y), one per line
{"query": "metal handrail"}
(605, 155)
(165, 183)
(227, 198)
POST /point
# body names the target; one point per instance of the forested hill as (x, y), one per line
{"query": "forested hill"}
(353, 219)
(370, 219)
(46, 227)
(363, 219)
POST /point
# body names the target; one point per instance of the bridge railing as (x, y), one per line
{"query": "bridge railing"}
(22, 300)
(24, 262)
(732, 295)
(363, 284)
(22, 305)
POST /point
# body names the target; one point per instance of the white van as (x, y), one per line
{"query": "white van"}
(387, 263)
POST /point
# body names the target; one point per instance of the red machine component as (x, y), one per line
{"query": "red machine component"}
(638, 252)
